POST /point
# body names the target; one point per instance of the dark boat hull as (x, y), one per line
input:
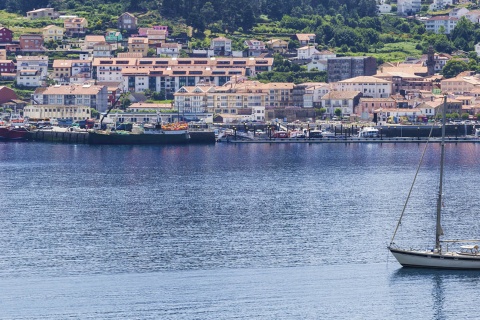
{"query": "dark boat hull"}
(16, 134)
(141, 139)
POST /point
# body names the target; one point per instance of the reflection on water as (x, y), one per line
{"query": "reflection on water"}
(291, 231)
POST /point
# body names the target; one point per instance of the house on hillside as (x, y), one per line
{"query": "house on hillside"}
(91, 40)
(43, 13)
(31, 42)
(221, 46)
(6, 35)
(75, 26)
(52, 33)
(113, 36)
(169, 49)
(7, 94)
(306, 39)
(7, 66)
(277, 45)
(255, 47)
(127, 21)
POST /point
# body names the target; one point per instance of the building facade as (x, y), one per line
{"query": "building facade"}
(87, 95)
(52, 33)
(339, 69)
(127, 21)
(31, 42)
(6, 35)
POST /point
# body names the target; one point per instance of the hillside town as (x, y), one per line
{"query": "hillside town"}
(218, 84)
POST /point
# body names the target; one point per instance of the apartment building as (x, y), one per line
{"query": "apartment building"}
(86, 95)
(137, 44)
(29, 78)
(169, 75)
(342, 68)
(460, 84)
(346, 101)
(31, 42)
(441, 24)
(367, 106)
(39, 63)
(403, 82)
(368, 86)
(72, 71)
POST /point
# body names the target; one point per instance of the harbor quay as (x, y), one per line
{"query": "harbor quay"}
(338, 134)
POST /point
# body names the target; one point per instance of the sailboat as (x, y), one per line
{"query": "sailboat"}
(467, 257)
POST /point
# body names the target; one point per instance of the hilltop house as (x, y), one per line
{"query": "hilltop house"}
(43, 13)
(75, 26)
(306, 39)
(221, 46)
(127, 21)
(277, 45)
(6, 35)
(255, 47)
(52, 33)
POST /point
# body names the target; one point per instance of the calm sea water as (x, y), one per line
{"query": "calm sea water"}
(287, 231)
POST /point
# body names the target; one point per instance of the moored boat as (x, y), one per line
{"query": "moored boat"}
(139, 135)
(368, 132)
(18, 133)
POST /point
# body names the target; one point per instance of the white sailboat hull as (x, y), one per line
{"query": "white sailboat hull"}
(428, 259)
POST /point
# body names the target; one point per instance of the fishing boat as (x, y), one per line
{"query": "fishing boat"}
(18, 133)
(467, 257)
(148, 134)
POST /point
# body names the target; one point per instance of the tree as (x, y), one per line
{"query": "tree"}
(465, 116)
(453, 68)
(338, 112)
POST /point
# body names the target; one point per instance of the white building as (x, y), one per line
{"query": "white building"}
(458, 12)
(39, 63)
(343, 100)
(384, 8)
(368, 86)
(29, 78)
(313, 95)
(440, 4)
(72, 112)
(438, 24)
(306, 52)
(320, 65)
(171, 50)
(408, 7)
(92, 96)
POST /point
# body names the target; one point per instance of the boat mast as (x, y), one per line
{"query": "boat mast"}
(439, 230)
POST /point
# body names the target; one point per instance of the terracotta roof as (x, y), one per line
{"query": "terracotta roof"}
(62, 63)
(73, 89)
(304, 36)
(341, 95)
(364, 79)
(92, 38)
